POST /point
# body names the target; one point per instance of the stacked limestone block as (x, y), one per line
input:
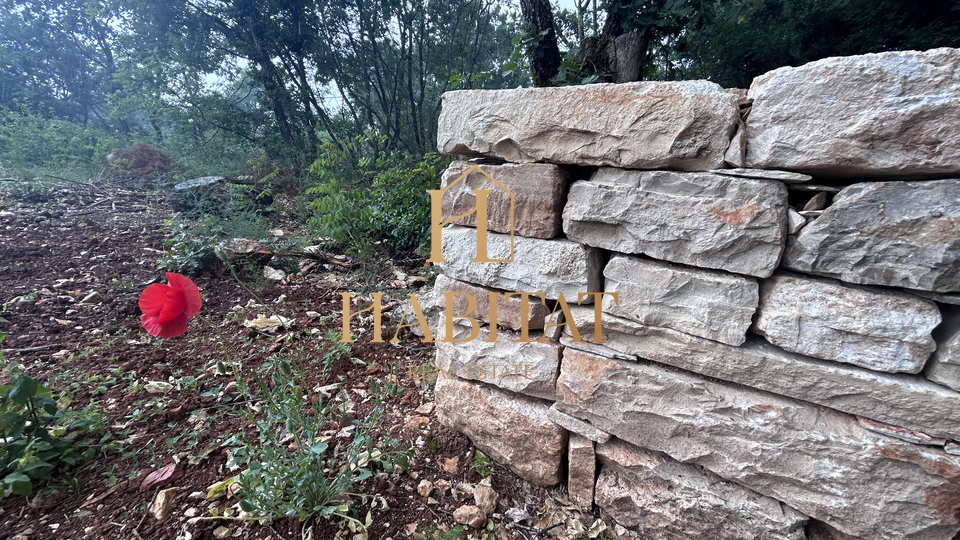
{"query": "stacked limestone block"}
(784, 357)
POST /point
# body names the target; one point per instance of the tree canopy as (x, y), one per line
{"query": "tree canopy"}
(286, 76)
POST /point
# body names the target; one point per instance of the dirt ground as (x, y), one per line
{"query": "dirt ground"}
(105, 239)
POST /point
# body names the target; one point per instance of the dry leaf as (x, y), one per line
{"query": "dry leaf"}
(159, 477)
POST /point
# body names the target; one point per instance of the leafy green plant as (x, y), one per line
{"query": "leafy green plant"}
(192, 245)
(35, 143)
(292, 471)
(432, 532)
(400, 203)
(481, 464)
(371, 200)
(357, 204)
(190, 250)
(40, 437)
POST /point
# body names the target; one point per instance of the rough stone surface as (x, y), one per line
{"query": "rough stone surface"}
(817, 460)
(737, 150)
(566, 340)
(513, 430)
(706, 303)
(525, 368)
(549, 266)
(485, 498)
(902, 400)
(659, 497)
(582, 470)
(700, 219)
(163, 503)
(818, 530)
(471, 515)
(908, 435)
(577, 426)
(944, 298)
(508, 312)
(872, 328)
(944, 365)
(795, 221)
(786, 177)
(901, 234)
(683, 125)
(817, 202)
(891, 114)
(539, 191)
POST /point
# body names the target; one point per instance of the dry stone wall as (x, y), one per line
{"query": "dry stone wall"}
(782, 357)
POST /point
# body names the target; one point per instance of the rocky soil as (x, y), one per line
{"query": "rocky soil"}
(72, 266)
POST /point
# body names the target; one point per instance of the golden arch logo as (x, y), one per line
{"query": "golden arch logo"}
(437, 223)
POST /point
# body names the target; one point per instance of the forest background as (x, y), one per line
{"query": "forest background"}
(335, 103)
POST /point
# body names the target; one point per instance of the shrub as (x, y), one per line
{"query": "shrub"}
(192, 246)
(400, 203)
(291, 471)
(32, 144)
(39, 436)
(358, 203)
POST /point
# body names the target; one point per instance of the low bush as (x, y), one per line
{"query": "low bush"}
(357, 204)
(294, 472)
(33, 145)
(40, 437)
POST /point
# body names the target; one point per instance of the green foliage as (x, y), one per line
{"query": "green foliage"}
(39, 436)
(400, 203)
(733, 41)
(341, 212)
(190, 249)
(432, 532)
(482, 464)
(192, 246)
(356, 204)
(32, 145)
(293, 473)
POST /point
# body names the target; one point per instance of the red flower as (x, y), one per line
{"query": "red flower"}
(166, 308)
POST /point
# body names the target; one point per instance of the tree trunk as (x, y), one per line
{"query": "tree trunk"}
(545, 56)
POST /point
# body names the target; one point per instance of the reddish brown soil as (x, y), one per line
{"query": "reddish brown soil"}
(106, 240)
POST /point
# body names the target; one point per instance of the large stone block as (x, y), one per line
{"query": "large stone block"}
(549, 266)
(901, 234)
(509, 312)
(582, 470)
(513, 430)
(944, 366)
(891, 114)
(700, 219)
(539, 191)
(659, 497)
(873, 328)
(710, 304)
(817, 460)
(683, 125)
(525, 368)
(902, 400)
